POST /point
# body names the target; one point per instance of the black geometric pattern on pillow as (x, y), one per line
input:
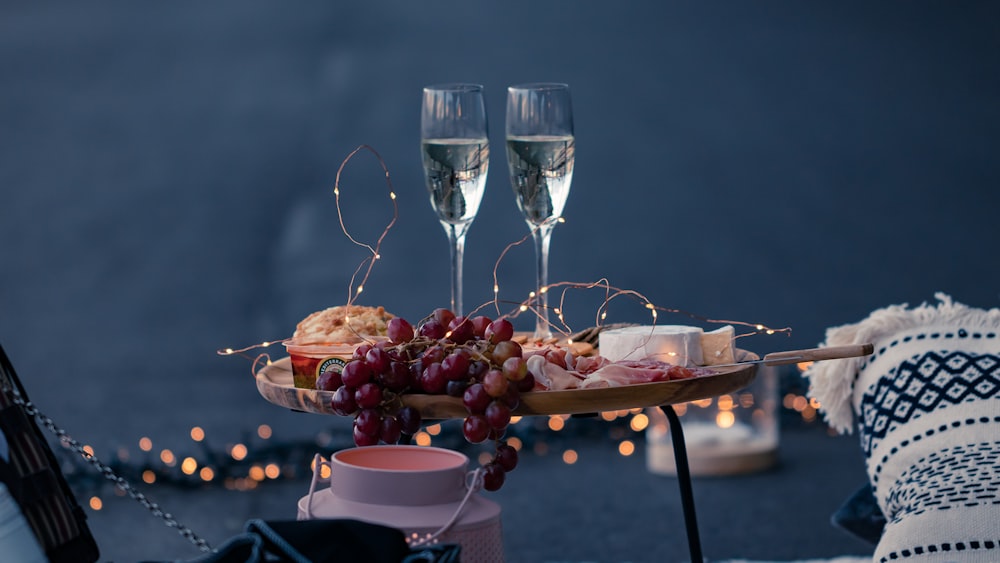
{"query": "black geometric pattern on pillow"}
(959, 476)
(922, 384)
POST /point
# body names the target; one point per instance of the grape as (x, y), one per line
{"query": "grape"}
(460, 330)
(512, 397)
(443, 316)
(416, 368)
(498, 331)
(329, 380)
(476, 399)
(495, 383)
(399, 330)
(432, 380)
(397, 379)
(479, 325)
(475, 428)
(360, 351)
(477, 368)
(356, 373)
(506, 349)
(368, 421)
(378, 360)
(433, 355)
(506, 457)
(368, 396)
(409, 420)
(498, 415)
(432, 329)
(494, 477)
(526, 384)
(456, 365)
(389, 431)
(343, 401)
(515, 369)
(362, 439)
(399, 354)
(456, 388)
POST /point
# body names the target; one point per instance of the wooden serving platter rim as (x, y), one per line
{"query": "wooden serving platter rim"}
(274, 383)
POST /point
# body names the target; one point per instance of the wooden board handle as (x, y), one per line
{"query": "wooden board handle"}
(817, 354)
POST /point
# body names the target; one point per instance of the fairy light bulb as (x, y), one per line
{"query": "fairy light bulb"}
(626, 448)
(238, 452)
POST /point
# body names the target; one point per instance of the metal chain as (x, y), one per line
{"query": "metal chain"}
(69, 442)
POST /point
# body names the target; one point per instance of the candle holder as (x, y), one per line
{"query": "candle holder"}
(732, 434)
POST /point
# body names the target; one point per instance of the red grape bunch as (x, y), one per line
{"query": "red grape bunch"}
(470, 358)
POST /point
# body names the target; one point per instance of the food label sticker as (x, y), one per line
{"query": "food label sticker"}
(333, 363)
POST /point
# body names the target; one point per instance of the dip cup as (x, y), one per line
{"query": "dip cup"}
(310, 360)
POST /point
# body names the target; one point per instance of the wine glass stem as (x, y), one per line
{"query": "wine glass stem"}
(456, 235)
(542, 235)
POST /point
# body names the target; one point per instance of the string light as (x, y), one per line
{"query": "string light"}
(368, 263)
(247, 465)
(364, 270)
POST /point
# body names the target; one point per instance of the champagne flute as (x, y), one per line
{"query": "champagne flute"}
(454, 143)
(540, 155)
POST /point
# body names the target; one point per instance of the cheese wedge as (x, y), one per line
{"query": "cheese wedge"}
(719, 346)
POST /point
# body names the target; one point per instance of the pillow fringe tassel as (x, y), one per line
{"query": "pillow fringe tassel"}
(831, 382)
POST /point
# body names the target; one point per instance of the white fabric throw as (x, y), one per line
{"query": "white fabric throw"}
(927, 407)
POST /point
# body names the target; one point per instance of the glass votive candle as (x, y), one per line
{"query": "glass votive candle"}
(730, 434)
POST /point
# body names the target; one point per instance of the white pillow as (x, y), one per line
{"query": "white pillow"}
(927, 409)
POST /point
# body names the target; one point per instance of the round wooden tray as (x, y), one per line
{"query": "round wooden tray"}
(274, 382)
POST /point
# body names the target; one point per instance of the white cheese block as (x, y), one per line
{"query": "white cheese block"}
(718, 346)
(675, 344)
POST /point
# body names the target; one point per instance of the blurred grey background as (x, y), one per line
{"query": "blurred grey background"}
(167, 175)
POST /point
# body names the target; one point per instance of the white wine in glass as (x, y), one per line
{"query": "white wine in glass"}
(540, 155)
(455, 148)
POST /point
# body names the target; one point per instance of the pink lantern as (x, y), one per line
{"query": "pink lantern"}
(426, 492)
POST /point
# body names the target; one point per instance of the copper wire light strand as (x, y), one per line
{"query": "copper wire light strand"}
(368, 263)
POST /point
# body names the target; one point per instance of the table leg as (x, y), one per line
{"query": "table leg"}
(684, 481)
